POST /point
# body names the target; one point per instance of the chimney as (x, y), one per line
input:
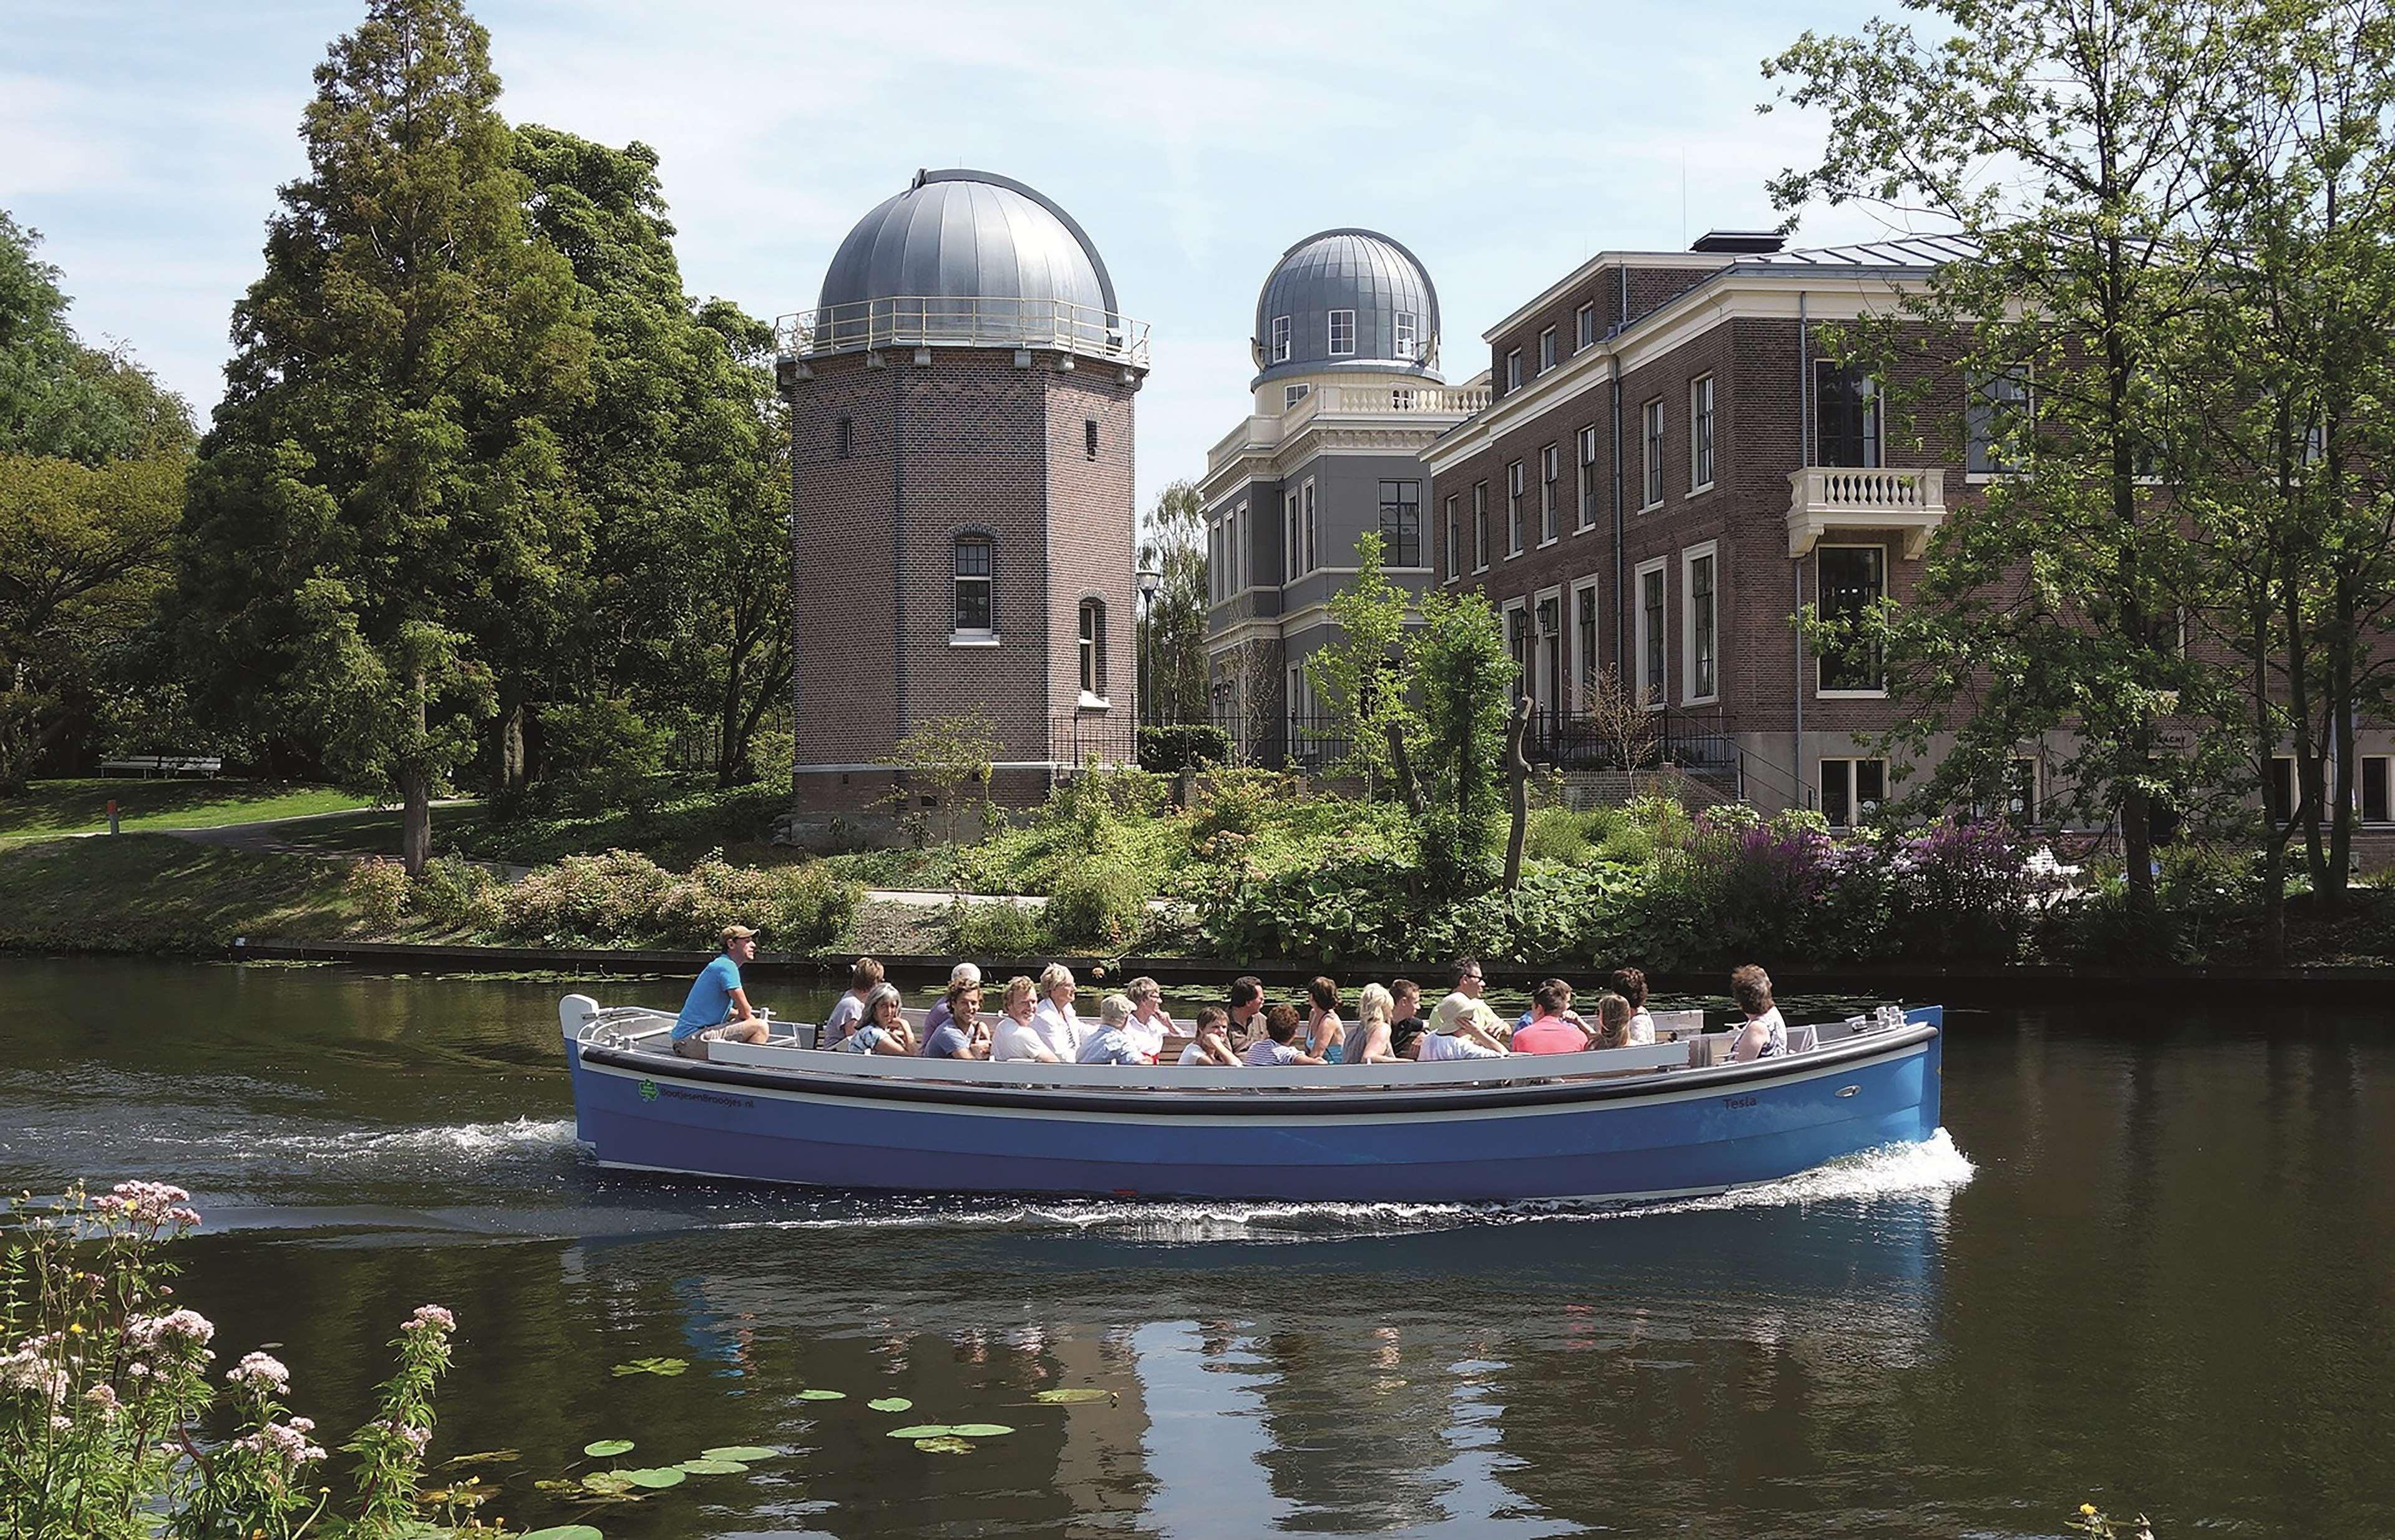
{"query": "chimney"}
(1740, 241)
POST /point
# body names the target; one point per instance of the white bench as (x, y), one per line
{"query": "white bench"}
(146, 765)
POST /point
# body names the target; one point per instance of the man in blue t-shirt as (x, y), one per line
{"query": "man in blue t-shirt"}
(716, 1009)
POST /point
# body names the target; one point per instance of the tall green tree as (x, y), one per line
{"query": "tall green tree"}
(381, 531)
(1465, 679)
(2071, 145)
(681, 454)
(59, 398)
(1172, 626)
(1361, 678)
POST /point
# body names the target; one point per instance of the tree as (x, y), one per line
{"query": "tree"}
(951, 756)
(2070, 146)
(1360, 677)
(1464, 677)
(380, 527)
(681, 453)
(1172, 627)
(82, 562)
(58, 398)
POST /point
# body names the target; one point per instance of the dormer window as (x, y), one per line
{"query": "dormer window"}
(1343, 333)
(1406, 340)
(1292, 394)
(1280, 339)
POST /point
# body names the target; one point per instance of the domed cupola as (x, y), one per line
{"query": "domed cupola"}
(970, 259)
(1346, 300)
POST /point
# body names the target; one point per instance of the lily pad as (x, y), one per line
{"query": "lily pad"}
(747, 1453)
(609, 1482)
(980, 1430)
(943, 1444)
(488, 1457)
(892, 1404)
(564, 1532)
(952, 1430)
(656, 1477)
(653, 1366)
(703, 1467)
(556, 1487)
(822, 1395)
(607, 1449)
(1070, 1397)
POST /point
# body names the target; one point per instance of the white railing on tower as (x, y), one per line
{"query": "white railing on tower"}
(951, 321)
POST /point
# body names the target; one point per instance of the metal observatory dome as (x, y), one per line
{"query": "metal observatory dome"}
(1346, 299)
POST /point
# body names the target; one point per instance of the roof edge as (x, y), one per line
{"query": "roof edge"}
(1089, 247)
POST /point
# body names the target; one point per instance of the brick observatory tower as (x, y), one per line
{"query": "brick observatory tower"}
(963, 523)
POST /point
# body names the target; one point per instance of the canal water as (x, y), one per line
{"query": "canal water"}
(2148, 1266)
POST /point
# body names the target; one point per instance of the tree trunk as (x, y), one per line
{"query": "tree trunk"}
(511, 748)
(414, 820)
(1517, 779)
(1409, 789)
(2137, 850)
(2339, 691)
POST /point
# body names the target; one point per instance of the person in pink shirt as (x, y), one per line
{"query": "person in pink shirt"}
(1548, 1032)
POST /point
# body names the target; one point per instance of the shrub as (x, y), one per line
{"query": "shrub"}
(1182, 745)
(1363, 906)
(600, 754)
(623, 899)
(456, 894)
(107, 1391)
(1098, 904)
(1959, 891)
(380, 890)
(769, 757)
(994, 930)
(1558, 834)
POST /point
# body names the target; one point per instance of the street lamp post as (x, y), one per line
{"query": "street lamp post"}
(1150, 580)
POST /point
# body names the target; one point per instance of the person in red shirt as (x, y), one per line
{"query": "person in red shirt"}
(1548, 1032)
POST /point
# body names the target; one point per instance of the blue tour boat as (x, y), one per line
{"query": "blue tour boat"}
(1622, 1124)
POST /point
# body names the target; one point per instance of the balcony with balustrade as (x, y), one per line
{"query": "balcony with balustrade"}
(1391, 404)
(1826, 502)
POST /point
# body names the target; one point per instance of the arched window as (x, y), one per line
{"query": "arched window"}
(1093, 647)
(976, 565)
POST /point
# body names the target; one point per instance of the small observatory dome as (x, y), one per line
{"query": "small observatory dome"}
(1347, 299)
(968, 259)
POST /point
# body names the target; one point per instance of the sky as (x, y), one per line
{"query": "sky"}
(1503, 143)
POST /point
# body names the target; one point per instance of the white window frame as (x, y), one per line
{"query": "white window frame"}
(1292, 394)
(1584, 328)
(1513, 484)
(1848, 765)
(2030, 815)
(1585, 451)
(1704, 449)
(979, 636)
(1546, 349)
(1337, 352)
(1312, 530)
(1090, 651)
(1407, 339)
(1886, 572)
(1292, 540)
(1561, 637)
(1280, 339)
(1519, 605)
(1480, 527)
(1651, 424)
(1454, 549)
(1646, 636)
(1583, 632)
(1709, 551)
(2361, 779)
(1514, 369)
(1239, 562)
(1974, 390)
(1551, 523)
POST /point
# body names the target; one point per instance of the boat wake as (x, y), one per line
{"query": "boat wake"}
(1933, 1170)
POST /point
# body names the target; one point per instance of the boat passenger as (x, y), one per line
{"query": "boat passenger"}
(1276, 1046)
(1464, 1028)
(1150, 1024)
(1326, 1034)
(1631, 984)
(849, 1010)
(961, 1034)
(1404, 997)
(1615, 1022)
(1550, 1031)
(1407, 1036)
(1469, 979)
(1247, 1000)
(1375, 1015)
(884, 1029)
(962, 974)
(1211, 1043)
(1113, 1042)
(1567, 1014)
(1055, 1019)
(1766, 1033)
(717, 1008)
(1017, 1034)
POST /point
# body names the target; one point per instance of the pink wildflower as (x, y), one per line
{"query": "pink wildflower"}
(430, 1318)
(189, 1325)
(261, 1374)
(153, 1205)
(27, 1370)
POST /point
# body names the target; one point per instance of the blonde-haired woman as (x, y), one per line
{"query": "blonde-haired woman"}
(1376, 1011)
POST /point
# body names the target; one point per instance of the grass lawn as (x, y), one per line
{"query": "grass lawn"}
(156, 893)
(69, 807)
(690, 819)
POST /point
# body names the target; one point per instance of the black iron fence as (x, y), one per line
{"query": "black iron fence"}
(1078, 741)
(1586, 741)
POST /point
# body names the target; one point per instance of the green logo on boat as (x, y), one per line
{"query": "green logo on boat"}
(648, 1090)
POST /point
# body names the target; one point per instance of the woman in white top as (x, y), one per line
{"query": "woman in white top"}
(1368, 1044)
(1149, 1025)
(1058, 1028)
(1211, 1042)
(1631, 984)
(1018, 1033)
(1765, 1033)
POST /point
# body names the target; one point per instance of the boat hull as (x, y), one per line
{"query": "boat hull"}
(1655, 1136)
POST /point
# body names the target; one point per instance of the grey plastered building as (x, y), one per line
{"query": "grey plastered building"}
(1346, 395)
